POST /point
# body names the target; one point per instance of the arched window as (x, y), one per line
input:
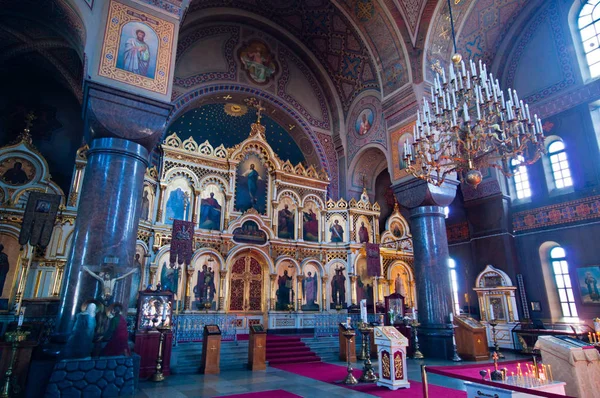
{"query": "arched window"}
(560, 267)
(589, 29)
(560, 166)
(521, 179)
(454, 286)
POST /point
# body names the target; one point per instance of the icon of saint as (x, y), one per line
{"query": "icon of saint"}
(16, 175)
(137, 54)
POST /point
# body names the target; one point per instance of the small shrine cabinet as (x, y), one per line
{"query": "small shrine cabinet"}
(496, 295)
(391, 350)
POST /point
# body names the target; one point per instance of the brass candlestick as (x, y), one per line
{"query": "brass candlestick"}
(350, 379)
(158, 374)
(493, 323)
(418, 354)
(368, 376)
(11, 387)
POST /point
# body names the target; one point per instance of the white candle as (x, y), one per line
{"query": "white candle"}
(516, 97)
(491, 312)
(413, 313)
(348, 321)
(462, 67)
(465, 112)
(21, 316)
(451, 318)
(478, 112)
(164, 313)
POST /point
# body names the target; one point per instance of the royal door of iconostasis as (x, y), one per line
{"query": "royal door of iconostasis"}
(246, 284)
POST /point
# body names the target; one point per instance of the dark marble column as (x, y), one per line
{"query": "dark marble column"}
(121, 130)
(434, 295)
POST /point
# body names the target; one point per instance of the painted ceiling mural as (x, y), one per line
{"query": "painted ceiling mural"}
(324, 29)
(229, 124)
(481, 27)
(238, 53)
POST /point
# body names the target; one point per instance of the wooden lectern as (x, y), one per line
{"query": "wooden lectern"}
(211, 350)
(342, 327)
(257, 344)
(471, 339)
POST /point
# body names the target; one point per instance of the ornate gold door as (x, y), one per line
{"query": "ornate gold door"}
(246, 292)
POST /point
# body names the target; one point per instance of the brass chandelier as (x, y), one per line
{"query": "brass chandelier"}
(467, 124)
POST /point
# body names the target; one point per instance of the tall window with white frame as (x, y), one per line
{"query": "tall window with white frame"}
(521, 179)
(454, 286)
(560, 267)
(560, 165)
(589, 29)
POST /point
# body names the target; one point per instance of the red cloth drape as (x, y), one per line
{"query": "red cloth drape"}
(373, 260)
(182, 242)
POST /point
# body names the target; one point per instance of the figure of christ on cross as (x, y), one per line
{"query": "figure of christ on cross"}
(107, 283)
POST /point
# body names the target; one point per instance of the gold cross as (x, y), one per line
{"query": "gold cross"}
(227, 97)
(212, 348)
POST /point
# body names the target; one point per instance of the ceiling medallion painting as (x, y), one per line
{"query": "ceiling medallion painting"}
(258, 61)
(235, 110)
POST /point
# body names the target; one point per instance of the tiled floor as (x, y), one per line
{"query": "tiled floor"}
(238, 382)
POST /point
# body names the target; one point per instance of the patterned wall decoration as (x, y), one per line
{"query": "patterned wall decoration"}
(411, 11)
(562, 213)
(481, 27)
(570, 98)
(365, 125)
(326, 32)
(481, 33)
(439, 46)
(486, 188)
(396, 141)
(369, 164)
(379, 31)
(231, 35)
(149, 68)
(321, 121)
(326, 143)
(171, 6)
(184, 43)
(458, 232)
(550, 15)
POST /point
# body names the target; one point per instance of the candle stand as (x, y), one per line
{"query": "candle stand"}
(368, 375)
(158, 374)
(350, 379)
(10, 386)
(493, 323)
(418, 354)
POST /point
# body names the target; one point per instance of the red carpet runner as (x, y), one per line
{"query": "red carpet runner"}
(282, 350)
(333, 373)
(265, 394)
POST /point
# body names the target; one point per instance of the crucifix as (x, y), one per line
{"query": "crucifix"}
(254, 103)
(106, 279)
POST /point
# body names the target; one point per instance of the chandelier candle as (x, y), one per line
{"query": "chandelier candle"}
(472, 128)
